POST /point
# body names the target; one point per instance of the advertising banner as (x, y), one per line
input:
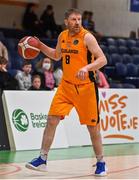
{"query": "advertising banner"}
(26, 116)
(119, 115)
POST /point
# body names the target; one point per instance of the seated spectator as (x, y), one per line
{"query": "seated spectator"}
(45, 69)
(48, 21)
(101, 80)
(31, 22)
(24, 77)
(36, 83)
(7, 82)
(3, 51)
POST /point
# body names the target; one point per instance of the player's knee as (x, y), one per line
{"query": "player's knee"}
(93, 130)
(53, 120)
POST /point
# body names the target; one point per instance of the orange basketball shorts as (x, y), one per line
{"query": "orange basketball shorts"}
(83, 97)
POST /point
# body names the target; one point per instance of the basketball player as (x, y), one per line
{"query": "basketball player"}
(77, 88)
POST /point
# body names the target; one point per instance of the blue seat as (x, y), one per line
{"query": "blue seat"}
(115, 58)
(128, 86)
(121, 70)
(131, 43)
(137, 43)
(116, 85)
(135, 59)
(109, 71)
(122, 85)
(132, 80)
(122, 49)
(138, 69)
(111, 41)
(127, 58)
(104, 48)
(132, 70)
(134, 50)
(16, 60)
(109, 60)
(12, 44)
(112, 49)
(121, 42)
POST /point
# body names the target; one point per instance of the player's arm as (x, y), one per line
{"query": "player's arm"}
(100, 59)
(93, 47)
(51, 52)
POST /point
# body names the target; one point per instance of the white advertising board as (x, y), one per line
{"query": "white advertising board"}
(26, 116)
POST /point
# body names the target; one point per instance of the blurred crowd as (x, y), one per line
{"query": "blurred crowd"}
(44, 75)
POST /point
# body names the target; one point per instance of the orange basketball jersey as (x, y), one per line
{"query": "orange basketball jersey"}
(74, 55)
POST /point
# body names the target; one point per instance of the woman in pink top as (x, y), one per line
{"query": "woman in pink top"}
(48, 73)
(101, 80)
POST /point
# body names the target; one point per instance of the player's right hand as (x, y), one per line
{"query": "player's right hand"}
(82, 74)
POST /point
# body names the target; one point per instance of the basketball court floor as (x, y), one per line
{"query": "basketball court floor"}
(73, 163)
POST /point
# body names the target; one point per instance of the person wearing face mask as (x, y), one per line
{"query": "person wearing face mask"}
(44, 68)
(48, 73)
(46, 65)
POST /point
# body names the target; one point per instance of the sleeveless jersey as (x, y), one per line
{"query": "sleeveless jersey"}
(74, 56)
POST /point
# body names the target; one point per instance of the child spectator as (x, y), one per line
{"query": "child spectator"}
(24, 76)
(36, 83)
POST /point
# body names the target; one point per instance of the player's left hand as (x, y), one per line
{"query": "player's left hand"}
(82, 73)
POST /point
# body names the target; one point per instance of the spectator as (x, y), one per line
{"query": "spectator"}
(92, 27)
(3, 51)
(7, 82)
(31, 22)
(36, 83)
(24, 76)
(101, 80)
(45, 69)
(132, 35)
(48, 21)
(85, 19)
(89, 24)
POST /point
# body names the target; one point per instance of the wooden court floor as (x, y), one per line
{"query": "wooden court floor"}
(122, 164)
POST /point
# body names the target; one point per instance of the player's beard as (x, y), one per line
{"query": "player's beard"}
(75, 29)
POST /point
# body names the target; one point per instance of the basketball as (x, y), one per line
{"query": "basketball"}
(28, 47)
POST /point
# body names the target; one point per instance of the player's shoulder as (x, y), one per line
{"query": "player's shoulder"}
(62, 35)
(89, 36)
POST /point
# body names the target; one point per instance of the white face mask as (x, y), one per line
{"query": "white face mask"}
(46, 66)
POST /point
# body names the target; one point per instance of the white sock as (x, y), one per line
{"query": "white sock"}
(43, 155)
(99, 158)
